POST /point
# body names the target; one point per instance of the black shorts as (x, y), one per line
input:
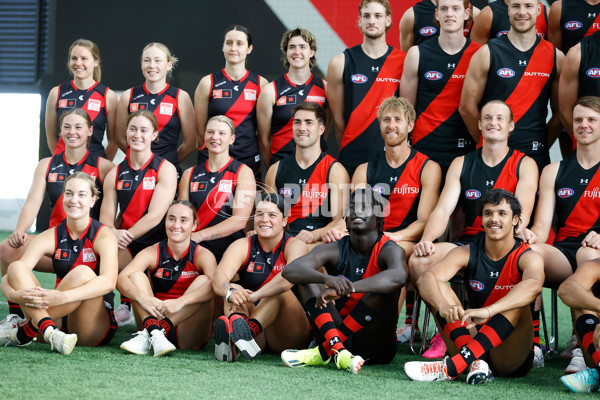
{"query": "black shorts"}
(152, 237)
(523, 368)
(569, 249)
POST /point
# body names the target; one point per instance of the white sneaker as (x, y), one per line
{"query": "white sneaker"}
(160, 344)
(124, 316)
(12, 321)
(479, 372)
(427, 371)
(60, 341)
(577, 362)
(139, 344)
(403, 333)
(568, 351)
(8, 337)
(538, 357)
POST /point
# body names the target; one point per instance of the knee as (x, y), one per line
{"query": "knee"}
(416, 267)
(78, 276)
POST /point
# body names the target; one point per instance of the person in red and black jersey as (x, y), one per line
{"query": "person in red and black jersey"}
(171, 106)
(221, 188)
(169, 285)
(359, 79)
(261, 312)
(569, 21)
(233, 92)
(312, 183)
(86, 92)
(521, 69)
(49, 179)
(84, 259)
(504, 277)
(141, 189)
(278, 99)
(432, 81)
(353, 305)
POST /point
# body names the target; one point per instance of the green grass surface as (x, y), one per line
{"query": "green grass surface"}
(35, 372)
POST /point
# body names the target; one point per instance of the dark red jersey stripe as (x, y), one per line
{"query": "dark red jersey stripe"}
(582, 218)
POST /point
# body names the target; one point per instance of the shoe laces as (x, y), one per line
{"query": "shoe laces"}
(436, 368)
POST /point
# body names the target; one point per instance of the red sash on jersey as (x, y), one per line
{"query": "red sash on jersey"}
(594, 27)
(503, 182)
(541, 23)
(366, 112)
(528, 90)
(445, 103)
(136, 209)
(509, 277)
(306, 205)
(582, 218)
(215, 200)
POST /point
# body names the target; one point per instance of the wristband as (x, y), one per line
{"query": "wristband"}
(228, 295)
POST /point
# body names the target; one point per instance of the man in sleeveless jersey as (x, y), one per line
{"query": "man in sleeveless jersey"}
(504, 278)
(359, 79)
(569, 21)
(312, 182)
(365, 271)
(521, 69)
(432, 81)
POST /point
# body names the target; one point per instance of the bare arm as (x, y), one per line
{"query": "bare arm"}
(183, 191)
(108, 210)
(111, 121)
(201, 100)
(526, 189)
(143, 261)
(554, 31)
(407, 36)
(35, 197)
(232, 260)
(335, 93)
(546, 204)
(264, 114)
(188, 130)
(480, 32)
(568, 87)
(410, 78)
(473, 89)
(50, 119)
(121, 120)
(270, 185)
(391, 278)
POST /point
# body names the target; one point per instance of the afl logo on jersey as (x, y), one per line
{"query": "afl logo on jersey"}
(427, 31)
(593, 72)
(563, 193)
(501, 33)
(573, 25)
(286, 192)
(472, 194)
(433, 75)
(505, 73)
(379, 189)
(359, 78)
(476, 285)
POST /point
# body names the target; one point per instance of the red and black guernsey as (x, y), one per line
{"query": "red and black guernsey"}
(164, 107)
(57, 173)
(306, 192)
(288, 95)
(524, 81)
(367, 82)
(93, 101)
(135, 188)
(401, 187)
(423, 26)
(501, 22)
(578, 19)
(439, 131)
(171, 278)
(490, 280)
(260, 266)
(577, 200)
(355, 268)
(589, 67)
(476, 178)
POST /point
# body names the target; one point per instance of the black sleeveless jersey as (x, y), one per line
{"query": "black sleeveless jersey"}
(57, 173)
(306, 192)
(589, 67)
(69, 253)
(164, 107)
(424, 27)
(401, 187)
(501, 22)
(170, 278)
(288, 95)
(578, 19)
(367, 82)
(93, 101)
(260, 266)
(489, 280)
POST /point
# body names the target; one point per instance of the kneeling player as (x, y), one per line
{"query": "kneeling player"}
(504, 279)
(365, 272)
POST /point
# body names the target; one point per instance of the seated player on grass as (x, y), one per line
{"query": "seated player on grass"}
(84, 259)
(495, 335)
(261, 312)
(169, 285)
(353, 306)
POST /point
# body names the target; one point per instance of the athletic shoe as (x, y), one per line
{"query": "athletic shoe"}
(160, 344)
(427, 371)
(12, 321)
(60, 341)
(577, 362)
(302, 358)
(568, 351)
(582, 381)
(538, 357)
(140, 344)
(8, 337)
(242, 337)
(403, 333)
(224, 348)
(124, 316)
(346, 360)
(437, 348)
(479, 372)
